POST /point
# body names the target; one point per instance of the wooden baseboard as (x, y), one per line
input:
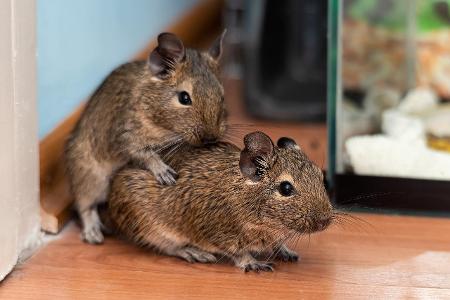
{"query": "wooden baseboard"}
(196, 27)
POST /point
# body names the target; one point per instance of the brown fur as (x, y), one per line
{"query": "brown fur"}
(215, 209)
(135, 116)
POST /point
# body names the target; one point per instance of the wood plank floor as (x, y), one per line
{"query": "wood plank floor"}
(395, 257)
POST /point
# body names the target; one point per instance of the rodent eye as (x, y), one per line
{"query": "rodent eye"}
(286, 188)
(184, 98)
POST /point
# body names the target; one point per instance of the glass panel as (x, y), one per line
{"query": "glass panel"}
(393, 88)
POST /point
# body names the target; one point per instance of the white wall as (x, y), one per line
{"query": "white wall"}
(19, 191)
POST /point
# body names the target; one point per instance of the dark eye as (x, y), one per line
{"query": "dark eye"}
(184, 98)
(286, 188)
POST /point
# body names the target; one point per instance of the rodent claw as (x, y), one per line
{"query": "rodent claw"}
(164, 174)
(165, 178)
(293, 258)
(93, 235)
(289, 258)
(259, 266)
(193, 255)
(172, 171)
(287, 255)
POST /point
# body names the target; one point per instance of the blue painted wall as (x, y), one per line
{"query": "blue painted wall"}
(81, 41)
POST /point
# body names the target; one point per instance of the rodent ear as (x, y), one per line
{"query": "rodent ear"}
(256, 157)
(164, 58)
(285, 142)
(216, 50)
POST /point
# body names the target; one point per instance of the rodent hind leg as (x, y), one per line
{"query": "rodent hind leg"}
(285, 254)
(192, 255)
(90, 191)
(92, 226)
(90, 185)
(248, 263)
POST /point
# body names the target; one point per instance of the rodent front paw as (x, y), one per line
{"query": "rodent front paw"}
(258, 266)
(165, 175)
(193, 255)
(285, 254)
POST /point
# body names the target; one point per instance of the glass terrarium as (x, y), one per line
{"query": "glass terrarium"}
(389, 103)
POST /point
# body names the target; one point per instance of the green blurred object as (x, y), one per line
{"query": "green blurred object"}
(431, 14)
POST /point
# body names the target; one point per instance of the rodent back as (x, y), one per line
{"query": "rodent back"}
(198, 206)
(106, 108)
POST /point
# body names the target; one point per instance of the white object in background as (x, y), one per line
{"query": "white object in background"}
(438, 122)
(402, 150)
(380, 155)
(403, 127)
(418, 101)
(19, 164)
(379, 99)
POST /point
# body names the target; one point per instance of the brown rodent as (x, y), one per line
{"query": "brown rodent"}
(141, 111)
(226, 202)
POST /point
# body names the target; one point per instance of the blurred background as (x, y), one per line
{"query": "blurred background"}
(389, 125)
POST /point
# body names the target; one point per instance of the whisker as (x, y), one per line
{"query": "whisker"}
(368, 196)
(343, 218)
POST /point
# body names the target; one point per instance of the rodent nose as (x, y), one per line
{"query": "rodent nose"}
(209, 139)
(323, 222)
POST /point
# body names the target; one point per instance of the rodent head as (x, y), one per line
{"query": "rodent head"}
(186, 96)
(287, 187)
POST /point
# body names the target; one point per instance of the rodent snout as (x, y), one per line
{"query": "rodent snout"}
(208, 139)
(202, 138)
(322, 223)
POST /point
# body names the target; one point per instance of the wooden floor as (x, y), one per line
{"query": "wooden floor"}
(393, 258)
(384, 257)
